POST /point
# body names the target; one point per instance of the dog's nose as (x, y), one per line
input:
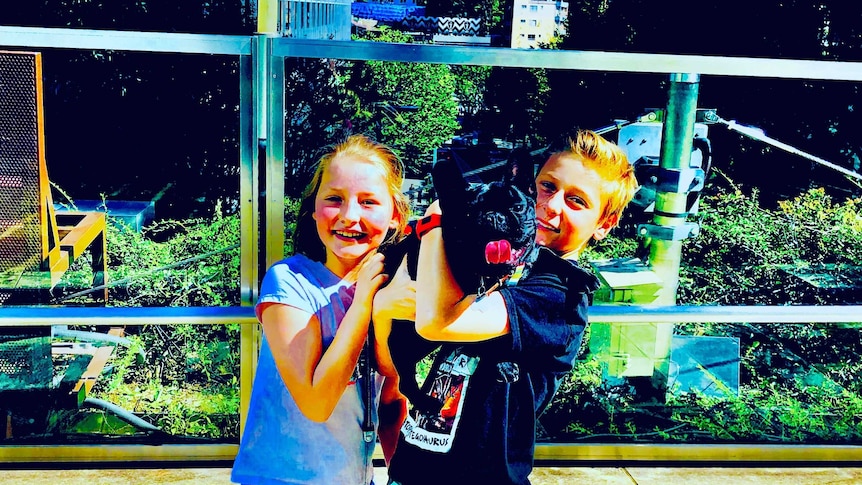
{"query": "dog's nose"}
(496, 220)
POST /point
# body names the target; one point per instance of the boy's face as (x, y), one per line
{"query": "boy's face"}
(569, 205)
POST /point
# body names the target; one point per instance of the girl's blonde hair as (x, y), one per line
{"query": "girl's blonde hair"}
(305, 238)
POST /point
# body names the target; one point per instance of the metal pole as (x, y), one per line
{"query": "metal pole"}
(255, 174)
(249, 234)
(670, 207)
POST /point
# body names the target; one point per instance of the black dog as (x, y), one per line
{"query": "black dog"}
(489, 232)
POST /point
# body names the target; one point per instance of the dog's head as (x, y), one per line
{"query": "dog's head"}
(489, 229)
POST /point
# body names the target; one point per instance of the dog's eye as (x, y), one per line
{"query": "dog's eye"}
(519, 208)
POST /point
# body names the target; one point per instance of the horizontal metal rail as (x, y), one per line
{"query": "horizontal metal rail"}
(37, 316)
(36, 37)
(39, 37)
(571, 60)
(546, 454)
(726, 314)
(95, 453)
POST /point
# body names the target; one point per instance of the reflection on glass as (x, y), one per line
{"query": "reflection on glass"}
(746, 383)
(144, 384)
(163, 231)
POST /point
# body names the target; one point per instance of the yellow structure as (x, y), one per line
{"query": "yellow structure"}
(37, 243)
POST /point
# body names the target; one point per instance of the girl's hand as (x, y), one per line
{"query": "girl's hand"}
(369, 278)
(397, 301)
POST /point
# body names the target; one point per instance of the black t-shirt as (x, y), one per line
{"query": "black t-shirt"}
(474, 419)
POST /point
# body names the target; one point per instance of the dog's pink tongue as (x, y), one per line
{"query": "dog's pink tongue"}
(498, 252)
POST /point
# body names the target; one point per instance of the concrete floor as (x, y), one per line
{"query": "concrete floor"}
(541, 476)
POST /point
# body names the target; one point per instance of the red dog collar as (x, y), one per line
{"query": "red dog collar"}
(426, 224)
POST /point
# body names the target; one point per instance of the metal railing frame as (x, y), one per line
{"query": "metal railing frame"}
(262, 224)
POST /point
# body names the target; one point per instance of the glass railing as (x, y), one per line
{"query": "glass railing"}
(732, 370)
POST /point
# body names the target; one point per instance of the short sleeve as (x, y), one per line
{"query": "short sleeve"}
(282, 285)
(548, 312)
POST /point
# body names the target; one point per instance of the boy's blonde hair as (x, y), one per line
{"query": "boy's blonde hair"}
(306, 240)
(612, 165)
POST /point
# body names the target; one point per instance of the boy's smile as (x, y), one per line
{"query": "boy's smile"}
(547, 226)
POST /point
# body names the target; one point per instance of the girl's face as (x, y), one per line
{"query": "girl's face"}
(353, 210)
(568, 205)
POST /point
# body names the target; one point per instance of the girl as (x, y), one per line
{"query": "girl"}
(304, 419)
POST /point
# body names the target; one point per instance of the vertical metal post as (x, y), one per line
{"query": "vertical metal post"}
(249, 235)
(274, 175)
(670, 206)
(261, 182)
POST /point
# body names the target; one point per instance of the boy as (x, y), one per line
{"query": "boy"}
(505, 353)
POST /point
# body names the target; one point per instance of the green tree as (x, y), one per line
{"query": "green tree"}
(517, 98)
(317, 113)
(470, 87)
(409, 106)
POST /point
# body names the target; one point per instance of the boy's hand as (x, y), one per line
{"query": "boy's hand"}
(397, 301)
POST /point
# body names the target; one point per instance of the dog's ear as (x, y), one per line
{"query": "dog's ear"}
(450, 184)
(519, 171)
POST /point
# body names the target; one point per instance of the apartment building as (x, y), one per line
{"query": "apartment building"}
(537, 21)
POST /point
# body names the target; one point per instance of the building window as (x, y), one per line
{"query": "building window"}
(533, 23)
(534, 8)
(531, 36)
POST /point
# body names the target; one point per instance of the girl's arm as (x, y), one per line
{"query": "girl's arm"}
(317, 379)
(443, 312)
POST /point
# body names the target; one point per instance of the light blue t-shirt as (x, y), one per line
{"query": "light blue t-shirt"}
(279, 444)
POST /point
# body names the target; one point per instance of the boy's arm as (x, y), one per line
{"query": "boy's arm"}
(396, 301)
(392, 412)
(443, 312)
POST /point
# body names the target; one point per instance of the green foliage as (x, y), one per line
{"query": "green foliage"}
(188, 381)
(204, 411)
(318, 108)
(796, 383)
(408, 106)
(194, 262)
(470, 86)
(746, 254)
(291, 213)
(612, 246)
(517, 99)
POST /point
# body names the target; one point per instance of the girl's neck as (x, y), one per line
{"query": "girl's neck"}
(347, 272)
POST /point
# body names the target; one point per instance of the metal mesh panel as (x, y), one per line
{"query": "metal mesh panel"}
(25, 359)
(20, 233)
